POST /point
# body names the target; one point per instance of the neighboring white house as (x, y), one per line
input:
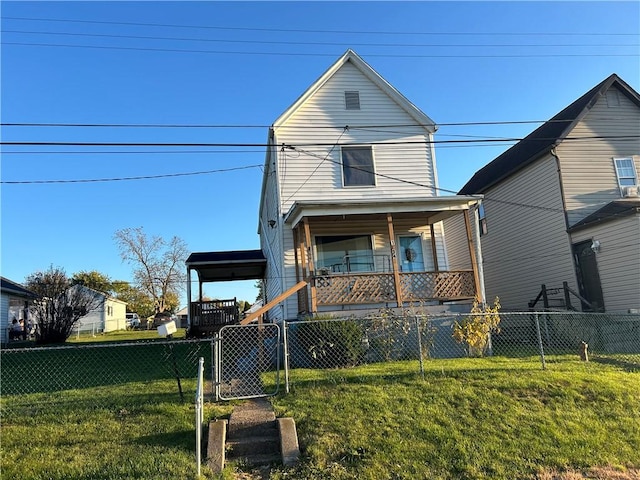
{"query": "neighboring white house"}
(350, 203)
(562, 207)
(110, 316)
(14, 303)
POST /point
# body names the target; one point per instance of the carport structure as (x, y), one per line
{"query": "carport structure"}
(207, 317)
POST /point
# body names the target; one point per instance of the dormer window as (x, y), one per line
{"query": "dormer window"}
(352, 100)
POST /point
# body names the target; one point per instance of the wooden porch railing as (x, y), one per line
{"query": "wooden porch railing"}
(364, 288)
(210, 316)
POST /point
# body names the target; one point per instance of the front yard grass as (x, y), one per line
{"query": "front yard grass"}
(492, 418)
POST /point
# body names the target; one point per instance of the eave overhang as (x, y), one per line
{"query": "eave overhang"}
(438, 208)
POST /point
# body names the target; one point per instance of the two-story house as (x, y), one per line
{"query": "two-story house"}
(561, 208)
(350, 209)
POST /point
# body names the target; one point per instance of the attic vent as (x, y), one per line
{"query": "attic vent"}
(613, 100)
(352, 100)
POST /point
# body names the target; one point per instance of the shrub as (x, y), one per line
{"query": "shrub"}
(475, 330)
(329, 343)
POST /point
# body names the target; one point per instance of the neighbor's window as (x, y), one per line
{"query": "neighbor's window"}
(482, 220)
(344, 253)
(357, 167)
(352, 100)
(626, 172)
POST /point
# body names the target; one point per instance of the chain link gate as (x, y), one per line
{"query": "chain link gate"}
(247, 361)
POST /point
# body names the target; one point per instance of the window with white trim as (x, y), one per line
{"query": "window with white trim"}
(482, 220)
(626, 172)
(357, 167)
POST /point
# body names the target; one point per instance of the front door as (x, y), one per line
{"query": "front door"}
(411, 257)
(588, 276)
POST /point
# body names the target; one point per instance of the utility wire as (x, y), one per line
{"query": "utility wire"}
(375, 32)
(311, 127)
(407, 142)
(275, 42)
(333, 55)
(120, 179)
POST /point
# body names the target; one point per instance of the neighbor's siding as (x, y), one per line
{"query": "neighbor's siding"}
(526, 247)
(618, 261)
(313, 172)
(4, 317)
(588, 171)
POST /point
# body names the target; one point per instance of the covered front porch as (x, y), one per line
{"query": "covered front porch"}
(362, 255)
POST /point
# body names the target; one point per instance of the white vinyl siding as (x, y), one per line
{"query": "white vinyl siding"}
(313, 171)
(588, 170)
(618, 261)
(526, 247)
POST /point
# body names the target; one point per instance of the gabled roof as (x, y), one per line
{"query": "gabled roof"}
(14, 288)
(352, 57)
(611, 211)
(544, 138)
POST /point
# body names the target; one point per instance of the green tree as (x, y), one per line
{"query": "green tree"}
(158, 264)
(59, 304)
(93, 279)
(137, 301)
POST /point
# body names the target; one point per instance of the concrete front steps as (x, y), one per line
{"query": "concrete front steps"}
(253, 437)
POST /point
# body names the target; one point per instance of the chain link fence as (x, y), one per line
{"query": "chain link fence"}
(45, 375)
(252, 357)
(549, 336)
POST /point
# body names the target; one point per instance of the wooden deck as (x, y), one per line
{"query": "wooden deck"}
(209, 317)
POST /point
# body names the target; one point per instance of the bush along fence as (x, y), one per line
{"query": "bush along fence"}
(253, 355)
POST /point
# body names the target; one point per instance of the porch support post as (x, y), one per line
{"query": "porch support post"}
(296, 247)
(312, 273)
(434, 249)
(303, 259)
(472, 254)
(189, 297)
(394, 261)
(200, 288)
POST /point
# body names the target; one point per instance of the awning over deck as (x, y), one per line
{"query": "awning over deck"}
(228, 266)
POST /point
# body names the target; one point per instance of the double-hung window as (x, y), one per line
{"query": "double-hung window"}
(626, 173)
(357, 167)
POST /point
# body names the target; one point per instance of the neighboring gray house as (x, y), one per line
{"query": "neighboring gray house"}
(350, 204)
(562, 207)
(14, 303)
(111, 315)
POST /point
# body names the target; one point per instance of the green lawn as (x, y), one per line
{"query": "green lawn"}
(467, 419)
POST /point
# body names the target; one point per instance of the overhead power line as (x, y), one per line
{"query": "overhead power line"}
(332, 55)
(121, 179)
(299, 30)
(281, 42)
(310, 127)
(319, 144)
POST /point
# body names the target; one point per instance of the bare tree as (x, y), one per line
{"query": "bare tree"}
(159, 268)
(59, 304)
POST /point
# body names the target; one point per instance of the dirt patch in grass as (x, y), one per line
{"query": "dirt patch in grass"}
(594, 473)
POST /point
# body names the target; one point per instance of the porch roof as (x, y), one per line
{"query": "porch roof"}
(228, 266)
(439, 208)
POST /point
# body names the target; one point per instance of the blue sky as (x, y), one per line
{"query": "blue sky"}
(240, 65)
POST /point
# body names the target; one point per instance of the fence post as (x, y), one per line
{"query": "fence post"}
(217, 377)
(420, 346)
(285, 351)
(544, 365)
(199, 415)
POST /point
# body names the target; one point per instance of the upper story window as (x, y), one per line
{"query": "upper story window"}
(626, 172)
(352, 100)
(357, 167)
(482, 220)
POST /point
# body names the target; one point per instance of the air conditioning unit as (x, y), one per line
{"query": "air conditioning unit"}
(630, 192)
